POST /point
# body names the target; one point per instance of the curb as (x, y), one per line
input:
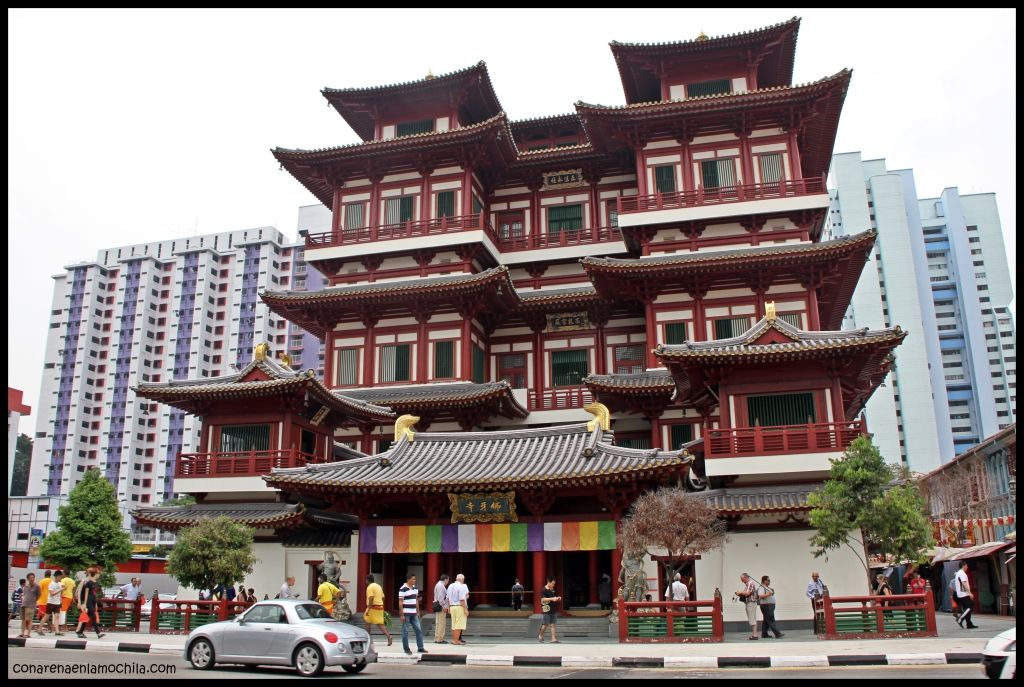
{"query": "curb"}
(563, 661)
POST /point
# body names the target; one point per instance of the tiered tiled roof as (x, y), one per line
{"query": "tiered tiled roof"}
(259, 379)
(774, 45)
(564, 456)
(639, 391)
(440, 396)
(770, 499)
(257, 515)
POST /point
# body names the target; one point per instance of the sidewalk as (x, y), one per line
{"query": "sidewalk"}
(797, 648)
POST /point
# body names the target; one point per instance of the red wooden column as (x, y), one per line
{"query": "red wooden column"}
(539, 577)
(794, 156)
(656, 440)
(336, 215)
(688, 184)
(484, 569)
(359, 587)
(467, 347)
(539, 362)
(593, 574)
(652, 333)
(433, 573)
(369, 351)
(422, 347)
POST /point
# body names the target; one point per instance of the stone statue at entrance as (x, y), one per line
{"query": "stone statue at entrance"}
(632, 578)
(330, 568)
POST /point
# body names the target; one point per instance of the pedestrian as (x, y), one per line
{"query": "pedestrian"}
(67, 595)
(44, 598)
(963, 597)
(549, 608)
(458, 607)
(326, 593)
(816, 590)
(374, 614)
(54, 592)
(766, 600)
(604, 592)
(16, 596)
(918, 584)
(517, 595)
(409, 607)
(89, 612)
(440, 609)
(132, 590)
(29, 598)
(288, 589)
(251, 598)
(749, 596)
(677, 591)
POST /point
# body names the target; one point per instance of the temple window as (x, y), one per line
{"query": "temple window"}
(346, 370)
(781, 409)
(512, 369)
(718, 173)
(564, 218)
(479, 367)
(612, 212)
(629, 359)
(665, 178)
(235, 438)
(398, 210)
(568, 368)
(679, 435)
(394, 363)
(729, 327)
(703, 88)
(675, 333)
(770, 167)
(445, 204)
(510, 225)
(639, 442)
(355, 216)
(420, 126)
(444, 360)
(793, 318)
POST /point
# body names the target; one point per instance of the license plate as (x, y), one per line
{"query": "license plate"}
(357, 647)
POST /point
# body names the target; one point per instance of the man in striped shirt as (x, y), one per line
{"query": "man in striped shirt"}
(409, 605)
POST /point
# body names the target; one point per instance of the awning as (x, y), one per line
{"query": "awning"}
(980, 551)
(944, 553)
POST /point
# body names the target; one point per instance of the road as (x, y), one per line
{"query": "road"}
(58, 663)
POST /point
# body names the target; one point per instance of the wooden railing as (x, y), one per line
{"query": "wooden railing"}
(871, 617)
(811, 438)
(403, 230)
(671, 621)
(574, 237)
(559, 398)
(240, 464)
(723, 194)
(181, 617)
(118, 615)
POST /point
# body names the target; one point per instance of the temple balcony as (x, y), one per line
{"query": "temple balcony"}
(707, 203)
(795, 448)
(564, 244)
(404, 236)
(240, 463)
(559, 398)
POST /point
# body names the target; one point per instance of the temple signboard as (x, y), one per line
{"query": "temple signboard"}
(567, 321)
(498, 506)
(564, 178)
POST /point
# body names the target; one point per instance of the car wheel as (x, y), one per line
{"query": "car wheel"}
(200, 655)
(309, 660)
(354, 668)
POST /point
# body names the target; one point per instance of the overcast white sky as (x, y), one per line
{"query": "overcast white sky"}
(134, 126)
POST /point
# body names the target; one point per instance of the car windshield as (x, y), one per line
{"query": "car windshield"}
(308, 611)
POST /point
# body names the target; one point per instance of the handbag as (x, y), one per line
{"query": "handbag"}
(437, 608)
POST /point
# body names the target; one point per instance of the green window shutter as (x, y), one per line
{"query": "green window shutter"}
(680, 434)
(634, 442)
(405, 213)
(394, 363)
(347, 366)
(716, 87)
(709, 174)
(781, 409)
(730, 327)
(444, 360)
(422, 126)
(446, 204)
(477, 205)
(402, 363)
(675, 333)
(479, 374)
(564, 218)
(568, 368)
(237, 438)
(665, 178)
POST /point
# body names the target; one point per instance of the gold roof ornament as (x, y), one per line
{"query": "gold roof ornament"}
(403, 427)
(285, 359)
(602, 416)
(430, 74)
(261, 351)
(702, 36)
(769, 311)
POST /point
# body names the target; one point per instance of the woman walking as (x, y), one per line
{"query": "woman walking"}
(766, 599)
(374, 614)
(87, 602)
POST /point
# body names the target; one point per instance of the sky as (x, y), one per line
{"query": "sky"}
(134, 126)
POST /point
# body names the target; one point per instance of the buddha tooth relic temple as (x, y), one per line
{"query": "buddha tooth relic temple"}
(530, 323)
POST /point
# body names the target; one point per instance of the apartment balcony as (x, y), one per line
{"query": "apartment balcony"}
(240, 464)
(429, 229)
(823, 437)
(559, 398)
(705, 203)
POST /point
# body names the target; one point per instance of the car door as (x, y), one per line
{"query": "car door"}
(252, 638)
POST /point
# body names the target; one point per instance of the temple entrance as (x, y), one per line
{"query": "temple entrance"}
(578, 575)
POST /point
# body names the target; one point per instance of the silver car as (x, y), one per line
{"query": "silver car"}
(282, 632)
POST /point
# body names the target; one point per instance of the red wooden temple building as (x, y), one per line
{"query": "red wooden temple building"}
(492, 277)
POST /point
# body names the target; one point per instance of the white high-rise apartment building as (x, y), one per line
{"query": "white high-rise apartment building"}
(186, 308)
(939, 269)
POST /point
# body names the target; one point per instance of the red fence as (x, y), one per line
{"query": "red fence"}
(671, 621)
(743, 441)
(118, 615)
(723, 194)
(240, 464)
(181, 617)
(872, 617)
(403, 230)
(575, 237)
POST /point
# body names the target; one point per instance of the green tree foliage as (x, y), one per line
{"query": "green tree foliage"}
(22, 460)
(89, 529)
(215, 551)
(186, 500)
(159, 551)
(867, 495)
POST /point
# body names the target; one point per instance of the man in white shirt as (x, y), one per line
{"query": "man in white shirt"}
(677, 591)
(288, 589)
(458, 607)
(963, 597)
(132, 590)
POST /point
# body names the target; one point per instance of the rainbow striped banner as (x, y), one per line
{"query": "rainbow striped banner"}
(516, 536)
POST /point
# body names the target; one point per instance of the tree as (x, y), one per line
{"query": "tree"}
(674, 521)
(185, 500)
(866, 495)
(159, 551)
(217, 551)
(22, 461)
(89, 529)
